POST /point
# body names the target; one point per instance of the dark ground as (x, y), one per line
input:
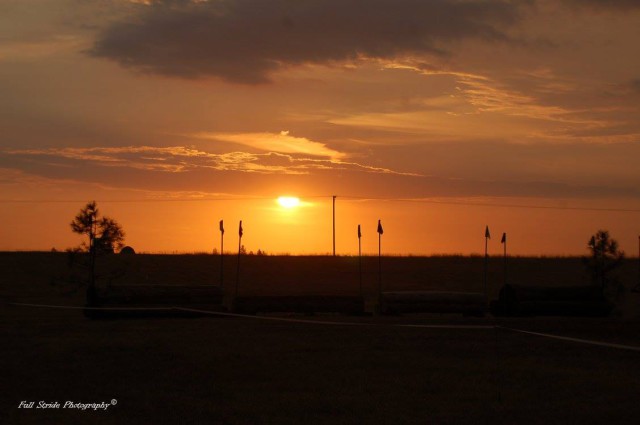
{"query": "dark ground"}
(256, 371)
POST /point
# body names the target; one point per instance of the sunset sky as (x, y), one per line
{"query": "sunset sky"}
(437, 117)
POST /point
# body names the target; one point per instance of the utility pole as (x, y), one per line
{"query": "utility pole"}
(334, 225)
(221, 253)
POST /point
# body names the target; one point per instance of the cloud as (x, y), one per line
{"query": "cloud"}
(246, 41)
(276, 142)
(179, 159)
(613, 5)
(530, 107)
(526, 172)
(20, 186)
(488, 96)
(36, 48)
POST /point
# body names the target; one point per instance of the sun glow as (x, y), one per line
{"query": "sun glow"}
(288, 202)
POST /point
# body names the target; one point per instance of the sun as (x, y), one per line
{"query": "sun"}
(288, 202)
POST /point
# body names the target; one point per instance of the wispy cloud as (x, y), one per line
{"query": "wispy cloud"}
(482, 107)
(14, 181)
(634, 85)
(191, 173)
(177, 159)
(281, 142)
(39, 47)
(610, 5)
(488, 96)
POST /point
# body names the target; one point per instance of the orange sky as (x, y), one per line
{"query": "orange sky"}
(196, 111)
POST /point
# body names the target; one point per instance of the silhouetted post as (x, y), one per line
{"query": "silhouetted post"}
(91, 291)
(334, 225)
(380, 232)
(487, 236)
(221, 253)
(239, 251)
(360, 257)
(92, 254)
(638, 286)
(504, 242)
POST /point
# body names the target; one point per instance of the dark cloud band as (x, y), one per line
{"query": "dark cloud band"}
(245, 41)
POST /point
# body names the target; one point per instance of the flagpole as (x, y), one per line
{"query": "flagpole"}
(380, 231)
(91, 290)
(221, 254)
(505, 261)
(360, 258)
(504, 240)
(239, 250)
(487, 235)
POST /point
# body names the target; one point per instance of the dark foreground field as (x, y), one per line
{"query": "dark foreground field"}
(365, 370)
(40, 274)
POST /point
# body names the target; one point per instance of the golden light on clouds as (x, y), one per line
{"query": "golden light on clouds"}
(387, 105)
(281, 142)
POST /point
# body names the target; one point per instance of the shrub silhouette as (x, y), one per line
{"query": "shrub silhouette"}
(605, 257)
(105, 234)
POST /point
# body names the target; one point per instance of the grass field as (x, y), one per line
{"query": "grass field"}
(365, 370)
(293, 275)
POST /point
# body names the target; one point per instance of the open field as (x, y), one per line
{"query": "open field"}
(365, 370)
(29, 273)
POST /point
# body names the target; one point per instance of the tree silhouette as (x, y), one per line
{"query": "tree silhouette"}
(105, 234)
(605, 257)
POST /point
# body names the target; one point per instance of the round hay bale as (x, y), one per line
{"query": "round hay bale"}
(127, 250)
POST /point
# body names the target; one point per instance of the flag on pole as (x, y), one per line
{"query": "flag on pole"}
(380, 231)
(240, 230)
(504, 238)
(359, 232)
(222, 226)
(487, 236)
